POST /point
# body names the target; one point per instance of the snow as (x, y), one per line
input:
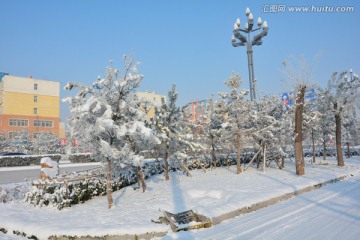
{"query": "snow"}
(50, 172)
(11, 236)
(52, 167)
(49, 162)
(211, 194)
(332, 212)
(67, 165)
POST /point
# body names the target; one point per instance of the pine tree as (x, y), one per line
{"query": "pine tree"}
(237, 116)
(108, 119)
(166, 125)
(269, 124)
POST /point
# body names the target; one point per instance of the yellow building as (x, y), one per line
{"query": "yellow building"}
(153, 98)
(27, 103)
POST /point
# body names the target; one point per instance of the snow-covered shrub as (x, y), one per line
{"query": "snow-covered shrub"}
(59, 196)
(78, 192)
(13, 192)
(25, 160)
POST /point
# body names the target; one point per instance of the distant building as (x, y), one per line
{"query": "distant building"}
(195, 109)
(31, 104)
(153, 98)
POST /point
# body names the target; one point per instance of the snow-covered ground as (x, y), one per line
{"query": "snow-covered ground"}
(332, 212)
(212, 194)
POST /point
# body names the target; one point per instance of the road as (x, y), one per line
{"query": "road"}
(332, 212)
(21, 174)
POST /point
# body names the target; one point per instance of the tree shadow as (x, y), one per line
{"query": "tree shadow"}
(117, 199)
(178, 198)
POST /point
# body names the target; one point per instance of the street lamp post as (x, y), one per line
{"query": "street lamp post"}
(243, 40)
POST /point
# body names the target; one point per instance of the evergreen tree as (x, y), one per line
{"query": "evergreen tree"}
(107, 118)
(237, 116)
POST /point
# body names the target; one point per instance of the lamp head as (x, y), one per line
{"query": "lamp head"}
(259, 22)
(235, 26)
(250, 17)
(247, 11)
(265, 25)
(238, 22)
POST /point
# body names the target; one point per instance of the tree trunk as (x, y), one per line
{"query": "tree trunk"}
(213, 151)
(299, 160)
(239, 168)
(313, 145)
(264, 158)
(167, 154)
(258, 159)
(348, 149)
(142, 179)
(108, 184)
(324, 152)
(340, 158)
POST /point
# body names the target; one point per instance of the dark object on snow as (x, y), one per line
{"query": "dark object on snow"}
(186, 221)
(13, 154)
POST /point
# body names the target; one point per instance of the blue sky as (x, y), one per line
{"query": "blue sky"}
(186, 42)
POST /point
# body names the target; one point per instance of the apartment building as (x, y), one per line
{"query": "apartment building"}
(153, 98)
(28, 103)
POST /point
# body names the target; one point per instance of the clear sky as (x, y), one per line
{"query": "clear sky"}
(187, 42)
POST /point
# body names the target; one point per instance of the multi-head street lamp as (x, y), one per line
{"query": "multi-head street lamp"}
(245, 40)
(353, 76)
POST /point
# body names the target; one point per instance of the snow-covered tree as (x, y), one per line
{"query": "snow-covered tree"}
(299, 74)
(237, 131)
(19, 141)
(311, 123)
(166, 124)
(269, 124)
(341, 94)
(171, 128)
(325, 125)
(205, 130)
(212, 127)
(107, 118)
(46, 143)
(4, 140)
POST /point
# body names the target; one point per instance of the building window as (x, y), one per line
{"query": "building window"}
(35, 110)
(36, 134)
(35, 98)
(12, 135)
(35, 86)
(19, 122)
(43, 123)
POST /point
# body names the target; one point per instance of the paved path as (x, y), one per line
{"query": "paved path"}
(21, 174)
(332, 212)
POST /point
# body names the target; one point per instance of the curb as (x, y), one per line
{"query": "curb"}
(269, 202)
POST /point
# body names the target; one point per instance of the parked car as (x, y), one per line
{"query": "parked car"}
(13, 154)
(353, 152)
(309, 153)
(329, 152)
